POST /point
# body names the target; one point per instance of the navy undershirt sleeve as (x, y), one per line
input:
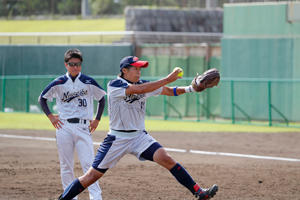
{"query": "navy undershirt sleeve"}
(100, 109)
(44, 105)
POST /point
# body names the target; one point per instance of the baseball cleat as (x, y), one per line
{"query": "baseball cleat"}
(204, 194)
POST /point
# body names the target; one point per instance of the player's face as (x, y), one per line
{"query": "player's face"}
(73, 66)
(133, 74)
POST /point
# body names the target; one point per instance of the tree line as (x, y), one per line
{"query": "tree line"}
(10, 8)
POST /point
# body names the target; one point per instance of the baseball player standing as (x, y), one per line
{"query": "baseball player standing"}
(74, 93)
(126, 107)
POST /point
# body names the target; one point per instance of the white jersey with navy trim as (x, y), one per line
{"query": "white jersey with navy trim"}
(127, 112)
(74, 99)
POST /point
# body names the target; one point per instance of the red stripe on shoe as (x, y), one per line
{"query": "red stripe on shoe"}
(196, 187)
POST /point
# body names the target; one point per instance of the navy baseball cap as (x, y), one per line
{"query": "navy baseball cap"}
(132, 61)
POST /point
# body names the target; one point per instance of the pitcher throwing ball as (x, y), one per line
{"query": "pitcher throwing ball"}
(127, 96)
(74, 93)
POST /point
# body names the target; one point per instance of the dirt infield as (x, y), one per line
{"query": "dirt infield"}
(29, 169)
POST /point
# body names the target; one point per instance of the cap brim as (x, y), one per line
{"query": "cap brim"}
(140, 63)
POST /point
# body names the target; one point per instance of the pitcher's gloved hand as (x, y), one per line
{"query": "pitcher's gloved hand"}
(208, 79)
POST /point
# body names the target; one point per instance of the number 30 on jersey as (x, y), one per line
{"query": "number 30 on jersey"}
(82, 102)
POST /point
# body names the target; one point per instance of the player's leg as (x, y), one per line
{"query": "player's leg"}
(85, 151)
(108, 154)
(161, 157)
(155, 152)
(65, 148)
(79, 184)
(91, 176)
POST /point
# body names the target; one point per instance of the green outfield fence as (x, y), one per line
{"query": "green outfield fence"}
(252, 101)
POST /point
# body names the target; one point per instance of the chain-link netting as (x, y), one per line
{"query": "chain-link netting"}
(235, 100)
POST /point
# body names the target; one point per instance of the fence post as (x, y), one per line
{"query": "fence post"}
(270, 103)
(165, 108)
(156, 62)
(105, 83)
(232, 101)
(207, 104)
(170, 46)
(198, 107)
(3, 93)
(27, 93)
(105, 113)
(38, 39)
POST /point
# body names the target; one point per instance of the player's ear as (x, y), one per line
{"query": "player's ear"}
(66, 66)
(124, 70)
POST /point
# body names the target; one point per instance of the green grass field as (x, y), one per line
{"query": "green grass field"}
(95, 25)
(41, 122)
(105, 24)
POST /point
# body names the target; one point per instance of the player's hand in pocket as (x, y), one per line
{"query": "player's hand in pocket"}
(93, 125)
(55, 121)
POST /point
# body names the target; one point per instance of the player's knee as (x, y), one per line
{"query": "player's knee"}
(165, 160)
(168, 160)
(90, 177)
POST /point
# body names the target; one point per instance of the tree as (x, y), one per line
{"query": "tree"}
(69, 7)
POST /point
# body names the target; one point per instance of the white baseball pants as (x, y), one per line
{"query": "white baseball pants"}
(70, 137)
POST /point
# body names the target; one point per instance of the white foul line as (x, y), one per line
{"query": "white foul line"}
(244, 155)
(176, 150)
(171, 149)
(27, 137)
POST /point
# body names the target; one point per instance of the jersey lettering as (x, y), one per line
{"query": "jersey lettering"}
(67, 97)
(133, 97)
(82, 103)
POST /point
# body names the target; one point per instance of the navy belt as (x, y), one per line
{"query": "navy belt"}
(127, 131)
(76, 120)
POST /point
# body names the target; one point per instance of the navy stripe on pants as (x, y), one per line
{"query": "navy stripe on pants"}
(102, 151)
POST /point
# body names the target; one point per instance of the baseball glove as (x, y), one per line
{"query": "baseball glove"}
(208, 79)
